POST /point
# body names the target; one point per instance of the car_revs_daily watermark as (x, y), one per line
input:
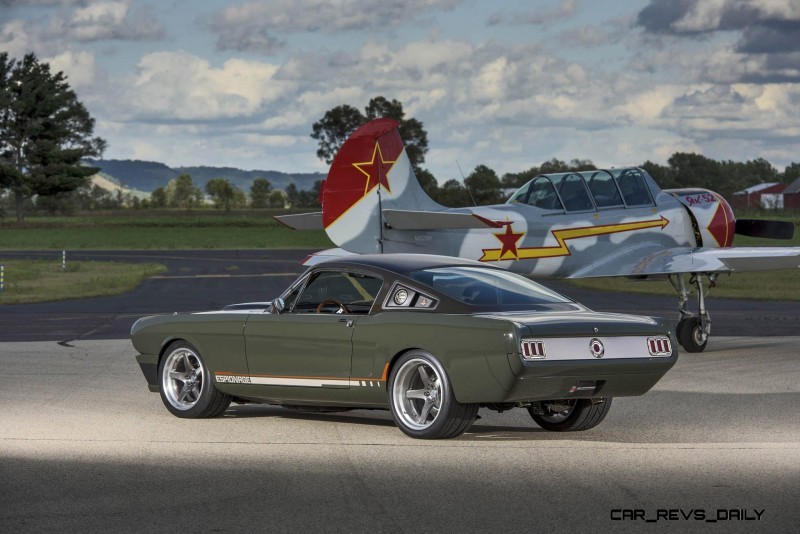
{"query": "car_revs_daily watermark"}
(684, 514)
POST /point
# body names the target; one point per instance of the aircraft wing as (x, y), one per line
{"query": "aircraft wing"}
(652, 260)
(301, 221)
(398, 220)
(328, 254)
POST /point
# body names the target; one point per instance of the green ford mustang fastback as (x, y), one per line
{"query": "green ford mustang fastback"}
(432, 339)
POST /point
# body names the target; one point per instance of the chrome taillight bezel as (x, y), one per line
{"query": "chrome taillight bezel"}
(533, 349)
(659, 346)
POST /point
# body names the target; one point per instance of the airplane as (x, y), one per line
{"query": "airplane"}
(597, 223)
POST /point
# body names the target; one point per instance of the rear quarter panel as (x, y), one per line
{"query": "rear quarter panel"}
(473, 350)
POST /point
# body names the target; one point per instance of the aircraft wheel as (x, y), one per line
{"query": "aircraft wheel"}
(691, 336)
(679, 329)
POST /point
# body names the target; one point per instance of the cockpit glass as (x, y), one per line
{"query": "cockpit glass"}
(604, 189)
(634, 190)
(573, 193)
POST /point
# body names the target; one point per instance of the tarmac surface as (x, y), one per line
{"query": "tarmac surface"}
(199, 280)
(85, 447)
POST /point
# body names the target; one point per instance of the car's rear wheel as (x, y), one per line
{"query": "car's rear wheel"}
(422, 401)
(570, 415)
(185, 384)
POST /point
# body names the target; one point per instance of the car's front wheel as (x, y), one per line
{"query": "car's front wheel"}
(185, 384)
(422, 401)
(569, 415)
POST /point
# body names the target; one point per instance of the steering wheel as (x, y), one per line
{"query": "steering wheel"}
(342, 307)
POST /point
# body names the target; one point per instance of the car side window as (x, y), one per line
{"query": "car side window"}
(328, 291)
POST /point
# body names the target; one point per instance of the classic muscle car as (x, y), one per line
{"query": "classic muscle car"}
(431, 338)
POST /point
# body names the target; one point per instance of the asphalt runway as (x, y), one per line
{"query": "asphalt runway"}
(85, 447)
(198, 280)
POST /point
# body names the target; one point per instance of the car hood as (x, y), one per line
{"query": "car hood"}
(584, 323)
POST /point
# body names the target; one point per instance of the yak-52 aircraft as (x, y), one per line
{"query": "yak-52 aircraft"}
(597, 223)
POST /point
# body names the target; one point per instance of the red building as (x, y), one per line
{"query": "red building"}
(767, 195)
(791, 195)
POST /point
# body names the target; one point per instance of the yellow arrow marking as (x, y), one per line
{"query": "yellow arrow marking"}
(526, 253)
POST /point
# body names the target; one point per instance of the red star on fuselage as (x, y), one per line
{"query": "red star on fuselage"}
(378, 172)
(509, 240)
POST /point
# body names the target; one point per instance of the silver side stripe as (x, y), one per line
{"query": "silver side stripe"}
(303, 382)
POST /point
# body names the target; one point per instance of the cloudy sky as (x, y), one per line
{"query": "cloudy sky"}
(504, 83)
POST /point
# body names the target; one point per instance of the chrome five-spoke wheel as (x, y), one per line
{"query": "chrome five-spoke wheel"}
(418, 394)
(422, 401)
(182, 378)
(186, 386)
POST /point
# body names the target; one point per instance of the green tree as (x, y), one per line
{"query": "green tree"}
(428, 182)
(292, 195)
(45, 132)
(182, 193)
(277, 199)
(334, 128)
(260, 191)
(791, 173)
(338, 123)
(221, 192)
(158, 198)
(484, 185)
(453, 194)
(553, 165)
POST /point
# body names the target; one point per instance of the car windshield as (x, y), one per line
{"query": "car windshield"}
(485, 287)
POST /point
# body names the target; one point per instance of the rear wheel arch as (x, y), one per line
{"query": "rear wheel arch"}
(390, 365)
(393, 362)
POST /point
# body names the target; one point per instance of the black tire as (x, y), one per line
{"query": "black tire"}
(679, 328)
(185, 384)
(582, 414)
(433, 412)
(689, 335)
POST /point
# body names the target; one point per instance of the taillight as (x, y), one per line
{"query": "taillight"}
(532, 349)
(659, 346)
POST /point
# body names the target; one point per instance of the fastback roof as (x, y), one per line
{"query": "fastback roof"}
(402, 263)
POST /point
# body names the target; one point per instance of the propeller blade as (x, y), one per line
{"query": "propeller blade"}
(762, 228)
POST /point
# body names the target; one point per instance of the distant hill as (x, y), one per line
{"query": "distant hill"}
(148, 175)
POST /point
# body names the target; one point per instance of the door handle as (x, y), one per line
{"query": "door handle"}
(348, 322)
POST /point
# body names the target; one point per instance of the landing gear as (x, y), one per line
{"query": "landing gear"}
(693, 329)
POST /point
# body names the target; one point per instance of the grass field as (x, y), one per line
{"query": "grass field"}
(40, 281)
(160, 230)
(256, 229)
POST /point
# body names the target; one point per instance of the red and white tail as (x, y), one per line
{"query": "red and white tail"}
(370, 173)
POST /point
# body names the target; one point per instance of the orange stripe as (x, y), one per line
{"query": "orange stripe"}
(385, 374)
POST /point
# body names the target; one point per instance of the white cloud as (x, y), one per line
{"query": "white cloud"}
(173, 86)
(79, 67)
(107, 20)
(251, 26)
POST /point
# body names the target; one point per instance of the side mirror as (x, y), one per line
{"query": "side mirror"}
(277, 306)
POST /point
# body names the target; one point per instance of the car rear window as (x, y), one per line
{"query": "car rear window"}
(486, 287)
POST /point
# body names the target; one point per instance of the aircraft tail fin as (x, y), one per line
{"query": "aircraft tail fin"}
(370, 173)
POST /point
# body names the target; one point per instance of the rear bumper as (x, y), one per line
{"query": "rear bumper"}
(628, 377)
